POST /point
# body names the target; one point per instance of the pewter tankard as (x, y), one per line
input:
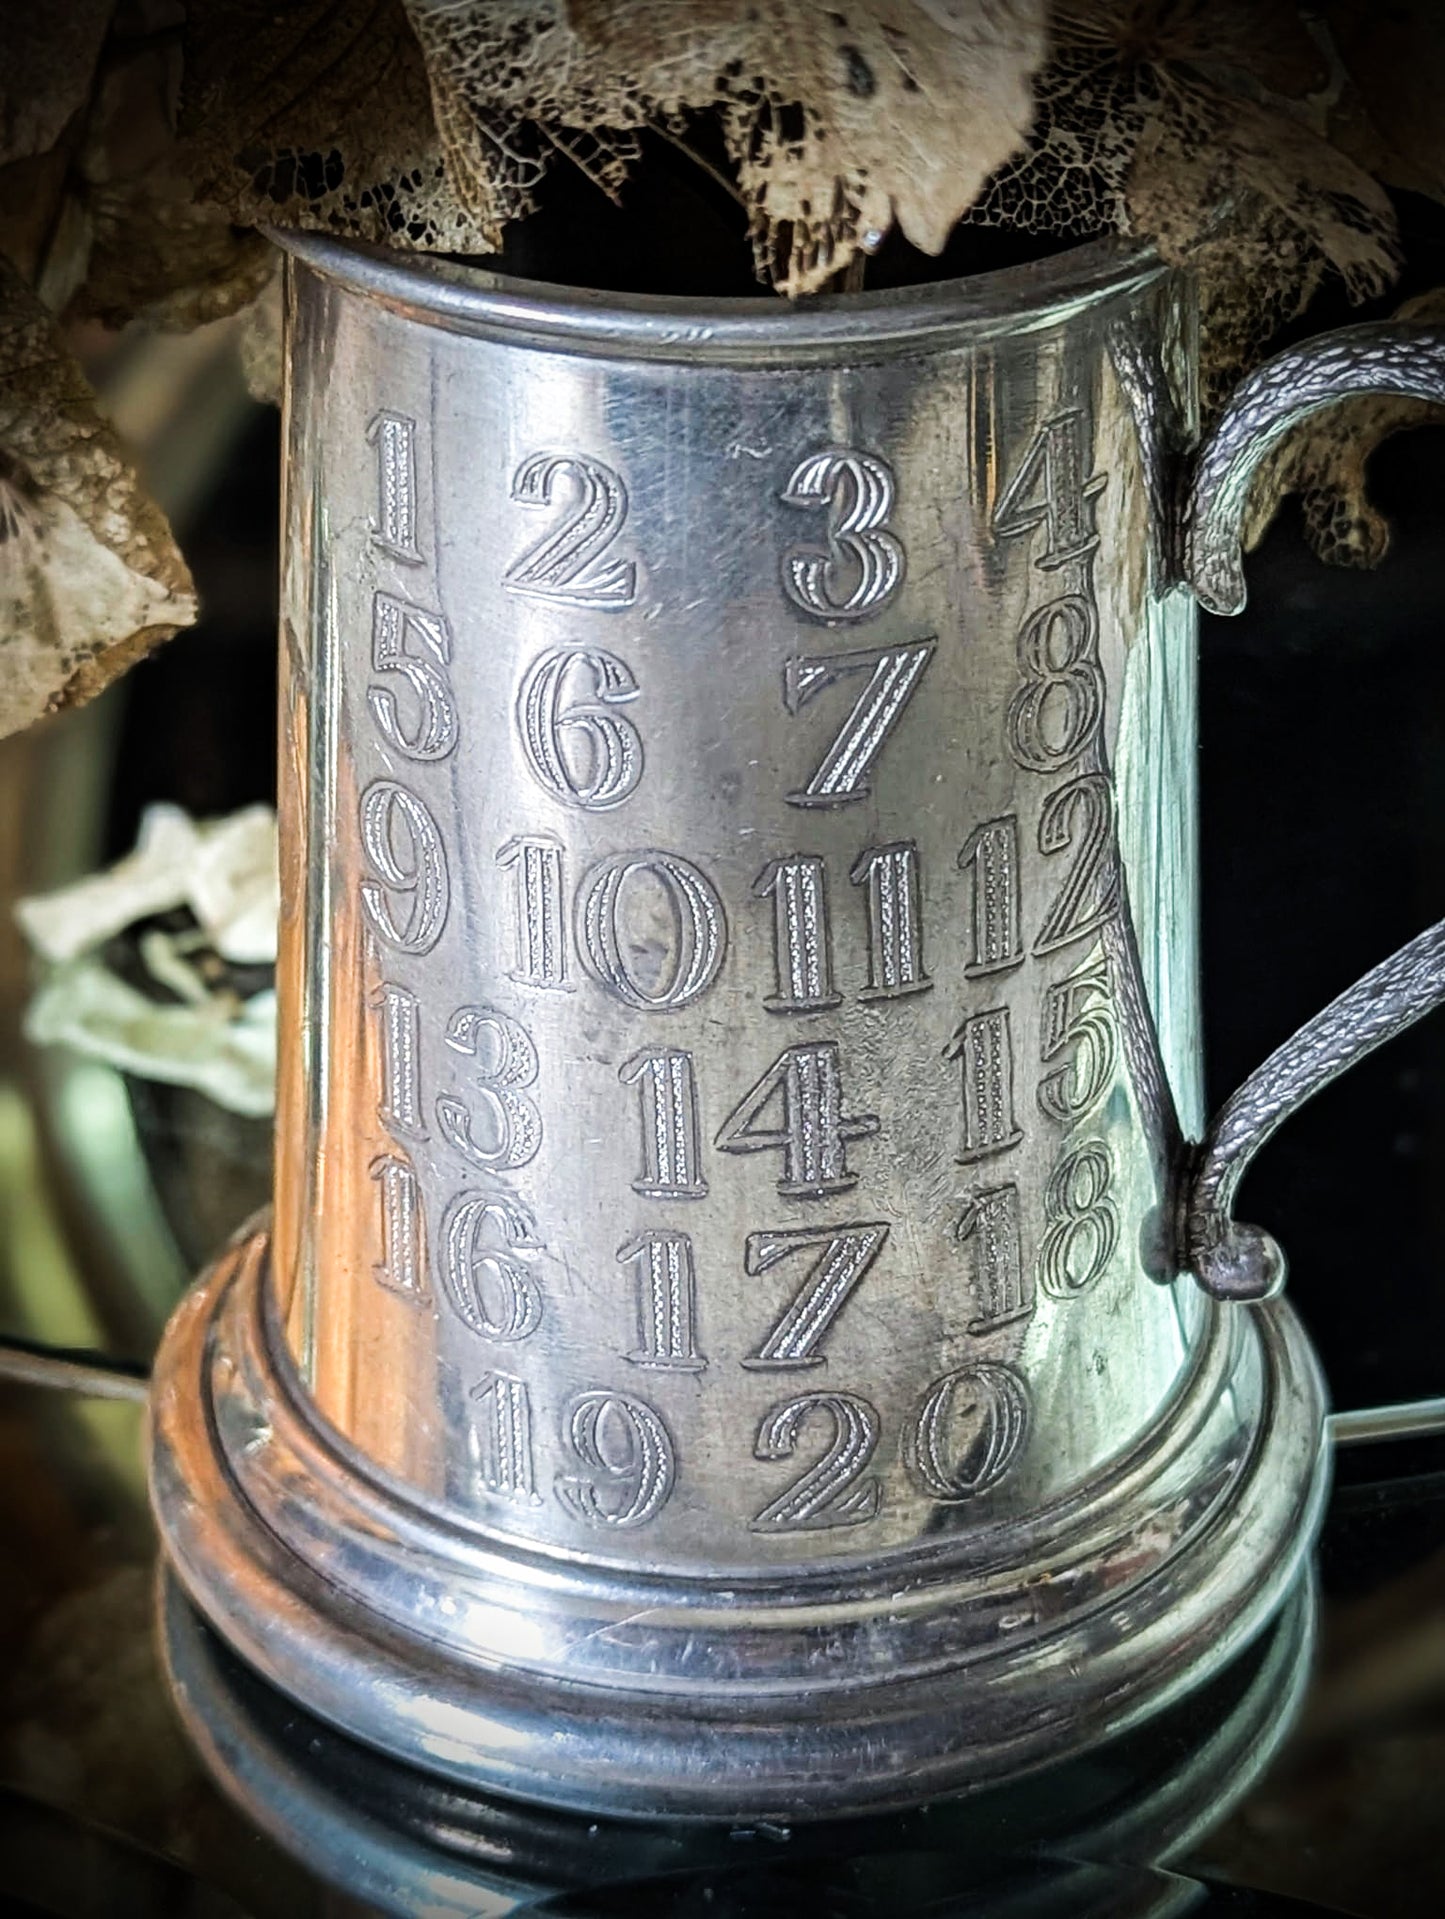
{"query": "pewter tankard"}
(752, 1323)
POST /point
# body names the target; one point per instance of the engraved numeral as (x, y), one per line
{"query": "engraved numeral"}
(567, 563)
(667, 1092)
(402, 1266)
(993, 854)
(666, 1301)
(629, 1458)
(832, 1492)
(633, 962)
(476, 1271)
(984, 1043)
(399, 1107)
(541, 921)
(895, 920)
(413, 646)
(394, 528)
(1059, 708)
(864, 563)
(847, 1253)
(893, 676)
(969, 1431)
(404, 848)
(807, 1084)
(802, 939)
(504, 1438)
(1075, 1017)
(1049, 490)
(1083, 1222)
(580, 749)
(508, 1062)
(1002, 1290)
(1080, 815)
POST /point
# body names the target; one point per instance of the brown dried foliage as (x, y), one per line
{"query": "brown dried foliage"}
(142, 143)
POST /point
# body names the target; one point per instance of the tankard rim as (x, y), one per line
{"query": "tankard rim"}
(435, 291)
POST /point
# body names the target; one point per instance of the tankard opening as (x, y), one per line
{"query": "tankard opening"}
(679, 230)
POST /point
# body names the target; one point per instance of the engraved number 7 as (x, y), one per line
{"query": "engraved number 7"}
(893, 676)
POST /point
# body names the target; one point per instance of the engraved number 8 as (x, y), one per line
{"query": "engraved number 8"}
(1083, 1227)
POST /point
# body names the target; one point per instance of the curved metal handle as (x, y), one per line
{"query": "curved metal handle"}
(1230, 1260)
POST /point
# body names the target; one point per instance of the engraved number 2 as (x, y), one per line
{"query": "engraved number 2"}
(829, 1493)
(567, 563)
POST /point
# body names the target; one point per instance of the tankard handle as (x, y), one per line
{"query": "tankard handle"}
(1230, 1260)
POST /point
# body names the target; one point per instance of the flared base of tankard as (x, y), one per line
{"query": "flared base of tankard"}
(964, 1662)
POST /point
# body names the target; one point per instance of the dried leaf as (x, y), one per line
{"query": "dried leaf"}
(1196, 123)
(318, 115)
(156, 252)
(1324, 461)
(50, 59)
(90, 578)
(840, 122)
(262, 345)
(1291, 207)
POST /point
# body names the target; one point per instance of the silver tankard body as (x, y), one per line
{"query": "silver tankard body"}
(749, 1325)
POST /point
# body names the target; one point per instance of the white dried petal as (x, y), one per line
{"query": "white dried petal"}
(223, 870)
(231, 1059)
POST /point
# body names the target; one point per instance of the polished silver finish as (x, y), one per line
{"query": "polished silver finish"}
(1231, 1260)
(1406, 1419)
(405, 1842)
(722, 1349)
(1390, 357)
(1235, 1261)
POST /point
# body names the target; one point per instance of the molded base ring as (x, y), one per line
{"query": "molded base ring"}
(307, 1609)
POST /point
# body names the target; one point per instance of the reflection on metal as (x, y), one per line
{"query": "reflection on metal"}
(404, 1842)
(68, 1373)
(846, 1431)
(1410, 1419)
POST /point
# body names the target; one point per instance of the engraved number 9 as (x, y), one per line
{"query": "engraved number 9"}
(628, 1455)
(404, 849)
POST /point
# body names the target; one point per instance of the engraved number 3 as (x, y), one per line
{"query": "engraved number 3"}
(864, 563)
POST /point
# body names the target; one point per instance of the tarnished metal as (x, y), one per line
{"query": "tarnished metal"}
(721, 1349)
